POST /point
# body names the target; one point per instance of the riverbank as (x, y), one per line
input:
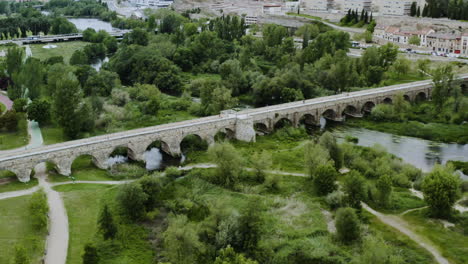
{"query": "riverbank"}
(447, 133)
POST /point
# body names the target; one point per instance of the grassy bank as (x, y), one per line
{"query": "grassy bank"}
(450, 241)
(64, 49)
(448, 133)
(12, 140)
(16, 228)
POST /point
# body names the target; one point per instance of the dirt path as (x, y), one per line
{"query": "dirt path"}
(7, 195)
(57, 240)
(402, 226)
(414, 209)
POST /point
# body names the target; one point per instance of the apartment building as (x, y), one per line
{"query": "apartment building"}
(317, 5)
(445, 42)
(357, 5)
(395, 7)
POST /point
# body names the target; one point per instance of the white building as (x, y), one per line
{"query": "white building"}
(357, 5)
(317, 5)
(272, 9)
(395, 7)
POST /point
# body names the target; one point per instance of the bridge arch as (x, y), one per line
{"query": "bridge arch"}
(283, 122)
(421, 96)
(367, 107)
(224, 134)
(407, 97)
(387, 100)
(308, 119)
(261, 128)
(193, 142)
(350, 110)
(159, 144)
(329, 114)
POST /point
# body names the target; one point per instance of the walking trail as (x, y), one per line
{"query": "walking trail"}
(57, 240)
(402, 226)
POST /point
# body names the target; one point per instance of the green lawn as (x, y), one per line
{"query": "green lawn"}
(12, 140)
(304, 15)
(17, 185)
(83, 169)
(452, 244)
(2, 108)
(52, 135)
(64, 49)
(16, 228)
(83, 203)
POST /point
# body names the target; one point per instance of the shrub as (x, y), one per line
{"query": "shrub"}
(19, 105)
(347, 225)
(440, 189)
(354, 188)
(272, 183)
(384, 186)
(383, 112)
(335, 199)
(90, 255)
(131, 200)
(324, 179)
(172, 172)
(39, 209)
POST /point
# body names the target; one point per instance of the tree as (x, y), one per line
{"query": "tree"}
(229, 256)
(384, 186)
(14, 60)
(418, 12)
(31, 78)
(324, 179)
(66, 104)
(400, 66)
(21, 256)
(19, 105)
(9, 120)
(39, 209)
(400, 106)
(354, 188)
(61, 25)
(414, 40)
(314, 156)
(260, 163)
(138, 36)
(328, 141)
(39, 111)
(413, 9)
(111, 44)
(214, 96)
(250, 224)
(79, 58)
(181, 241)
(131, 200)
(106, 223)
(440, 188)
(90, 255)
(442, 79)
(228, 163)
(347, 225)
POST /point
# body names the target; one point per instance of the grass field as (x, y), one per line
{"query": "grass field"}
(64, 49)
(452, 244)
(304, 15)
(16, 228)
(12, 140)
(52, 135)
(17, 185)
(83, 169)
(2, 108)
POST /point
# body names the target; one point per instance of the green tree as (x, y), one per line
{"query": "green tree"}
(414, 40)
(39, 209)
(261, 162)
(9, 120)
(250, 227)
(106, 223)
(78, 58)
(60, 25)
(138, 36)
(401, 106)
(19, 105)
(66, 104)
(314, 156)
(31, 77)
(442, 79)
(131, 200)
(21, 256)
(384, 186)
(229, 256)
(324, 179)
(14, 60)
(440, 188)
(90, 255)
(228, 162)
(413, 9)
(181, 242)
(328, 141)
(39, 111)
(347, 225)
(215, 97)
(400, 67)
(355, 189)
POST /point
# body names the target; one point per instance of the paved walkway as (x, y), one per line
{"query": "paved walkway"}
(13, 194)
(402, 226)
(57, 241)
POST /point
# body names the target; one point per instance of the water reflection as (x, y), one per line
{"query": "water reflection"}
(153, 158)
(420, 153)
(116, 160)
(98, 65)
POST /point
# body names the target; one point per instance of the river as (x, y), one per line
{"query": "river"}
(94, 23)
(420, 153)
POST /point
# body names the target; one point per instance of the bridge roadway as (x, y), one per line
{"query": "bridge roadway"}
(241, 125)
(57, 38)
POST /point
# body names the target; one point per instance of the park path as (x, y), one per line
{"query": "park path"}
(402, 226)
(13, 194)
(57, 240)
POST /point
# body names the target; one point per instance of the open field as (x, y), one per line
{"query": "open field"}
(64, 49)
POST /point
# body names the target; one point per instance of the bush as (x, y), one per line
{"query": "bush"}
(335, 199)
(172, 172)
(272, 183)
(9, 121)
(383, 112)
(324, 179)
(19, 105)
(440, 189)
(347, 225)
(39, 209)
(131, 200)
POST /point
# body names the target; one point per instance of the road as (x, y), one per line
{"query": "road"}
(411, 56)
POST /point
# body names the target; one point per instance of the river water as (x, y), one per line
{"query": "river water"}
(420, 153)
(94, 23)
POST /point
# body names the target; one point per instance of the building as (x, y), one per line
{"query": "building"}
(445, 43)
(357, 5)
(395, 8)
(464, 45)
(272, 9)
(317, 5)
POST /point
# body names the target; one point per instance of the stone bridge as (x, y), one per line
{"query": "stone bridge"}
(242, 125)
